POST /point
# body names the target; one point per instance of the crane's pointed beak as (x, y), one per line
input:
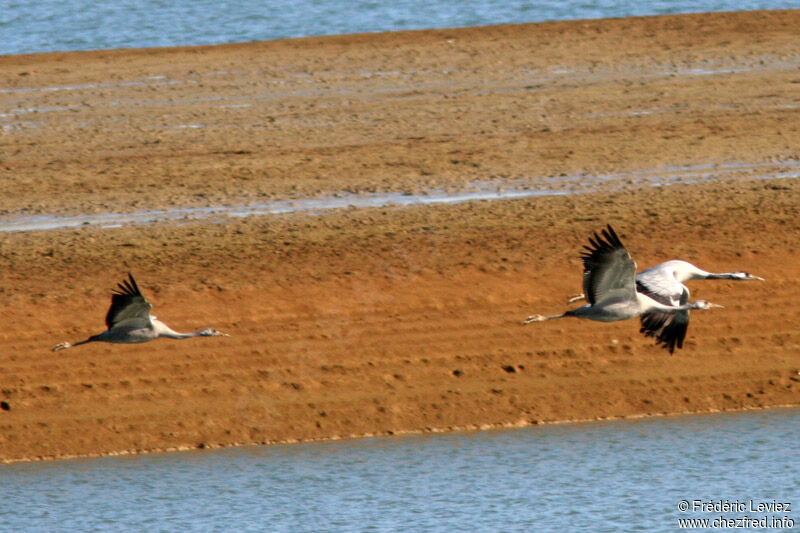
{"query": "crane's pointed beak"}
(757, 278)
(716, 305)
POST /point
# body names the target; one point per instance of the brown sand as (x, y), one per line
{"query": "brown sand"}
(386, 320)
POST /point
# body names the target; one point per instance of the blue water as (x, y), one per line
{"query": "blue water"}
(54, 25)
(609, 476)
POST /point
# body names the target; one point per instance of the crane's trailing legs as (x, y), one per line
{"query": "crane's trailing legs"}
(64, 345)
(542, 318)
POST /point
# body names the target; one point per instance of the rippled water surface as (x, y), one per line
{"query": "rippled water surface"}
(52, 25)
(605, 476)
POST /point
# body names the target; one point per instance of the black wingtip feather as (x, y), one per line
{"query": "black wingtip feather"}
(611, 236)
(608, 241)
(128, 287)
(133, 283)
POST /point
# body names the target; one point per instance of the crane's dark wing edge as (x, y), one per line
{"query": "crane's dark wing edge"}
(607, 266)
(669, 329)
(127, 302)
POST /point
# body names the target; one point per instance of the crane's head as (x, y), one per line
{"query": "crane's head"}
(210, 332)
(704, 304)
(744, 276)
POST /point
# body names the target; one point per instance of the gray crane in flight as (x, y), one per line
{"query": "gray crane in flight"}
(665, 283)
(129, 321)
(609, 283)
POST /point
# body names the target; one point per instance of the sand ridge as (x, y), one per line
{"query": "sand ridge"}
(388, 320)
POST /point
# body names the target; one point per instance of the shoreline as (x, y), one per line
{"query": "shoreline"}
(379, 320)
(427, 431)
(378, 34)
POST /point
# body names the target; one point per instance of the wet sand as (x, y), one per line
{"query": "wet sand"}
(385, 320)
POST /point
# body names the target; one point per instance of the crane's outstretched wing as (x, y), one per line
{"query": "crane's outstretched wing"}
(669, 329)
(659, 283)
(127, 302)
(608, 270)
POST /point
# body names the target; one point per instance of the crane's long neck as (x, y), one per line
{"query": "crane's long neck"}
(167, 332)
(686, 272)
(177, 335)
(721, 275)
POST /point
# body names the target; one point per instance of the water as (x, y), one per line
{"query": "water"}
(54, 25)
(607, 476)
(486, 190)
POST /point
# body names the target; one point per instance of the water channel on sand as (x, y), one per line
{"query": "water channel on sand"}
(486, 190)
